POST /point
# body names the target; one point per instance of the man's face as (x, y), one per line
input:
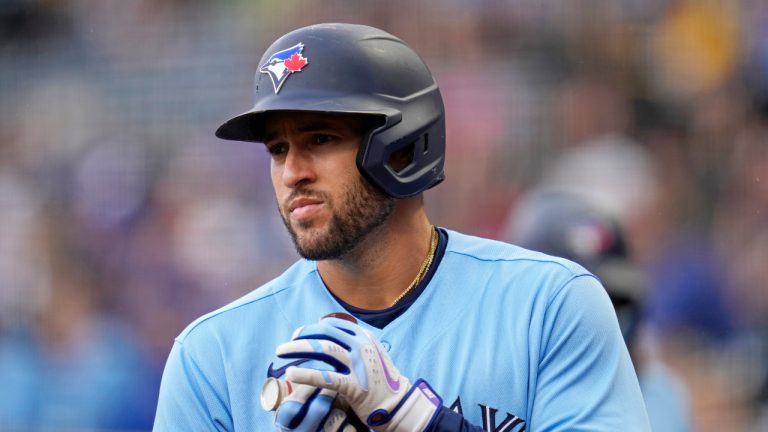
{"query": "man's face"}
(327, 206)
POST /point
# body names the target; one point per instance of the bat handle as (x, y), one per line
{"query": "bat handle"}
(274, 392)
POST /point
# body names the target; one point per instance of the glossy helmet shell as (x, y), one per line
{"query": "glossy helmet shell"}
(356, 69)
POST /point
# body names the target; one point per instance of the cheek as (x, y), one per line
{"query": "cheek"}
(277, 185)
(274, 175)
(345, 180)
(344, 169)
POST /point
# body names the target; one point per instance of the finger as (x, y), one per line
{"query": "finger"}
(326, 331)
(344, 426)
(336, 421)
(295, 415)
(348, 332)
(303, 393)
(287, 416)
(346, 326)
(300, 393)
(325, 351)
(297, 332)
(317, 378)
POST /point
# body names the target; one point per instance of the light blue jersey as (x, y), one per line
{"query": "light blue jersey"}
(512, 339)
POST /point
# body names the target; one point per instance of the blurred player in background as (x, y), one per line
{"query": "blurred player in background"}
(452, 332)
(562, 224)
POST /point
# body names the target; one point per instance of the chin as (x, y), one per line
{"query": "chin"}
(311, 237)
(317, 244)
(309, 229)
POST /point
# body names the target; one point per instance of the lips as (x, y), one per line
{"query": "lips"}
(304, 208)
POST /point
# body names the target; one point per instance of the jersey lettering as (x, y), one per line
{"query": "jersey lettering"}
(456, 406)
(511, 422)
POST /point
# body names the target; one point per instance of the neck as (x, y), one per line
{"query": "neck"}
(385, 262)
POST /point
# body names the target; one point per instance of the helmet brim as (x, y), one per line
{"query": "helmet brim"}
(244, 127)
(249, 126)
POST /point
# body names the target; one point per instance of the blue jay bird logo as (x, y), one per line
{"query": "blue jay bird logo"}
(284, 63)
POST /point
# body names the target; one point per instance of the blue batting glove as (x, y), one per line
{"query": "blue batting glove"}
(306, 408)
(363, 374)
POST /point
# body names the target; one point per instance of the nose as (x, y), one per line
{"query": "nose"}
(298, 168)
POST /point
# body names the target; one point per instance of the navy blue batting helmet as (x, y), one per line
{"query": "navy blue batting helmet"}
(565, 225)
(562, 224)
(355, 69)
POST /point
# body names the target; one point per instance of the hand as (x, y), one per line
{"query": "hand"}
(363, 374)
(306, 408)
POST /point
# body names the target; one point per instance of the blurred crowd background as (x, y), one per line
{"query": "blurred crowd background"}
(122, 218)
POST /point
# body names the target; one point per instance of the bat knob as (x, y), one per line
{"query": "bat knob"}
(341, 315)
(273, 392)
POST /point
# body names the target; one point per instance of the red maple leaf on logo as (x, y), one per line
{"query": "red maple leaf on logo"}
(295, 63)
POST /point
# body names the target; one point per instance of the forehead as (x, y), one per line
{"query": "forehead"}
(280, 123)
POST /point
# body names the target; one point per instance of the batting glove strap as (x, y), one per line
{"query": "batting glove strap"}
(415, 413)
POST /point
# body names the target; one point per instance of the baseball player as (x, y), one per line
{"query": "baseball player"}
(561, 223)
(449, 332)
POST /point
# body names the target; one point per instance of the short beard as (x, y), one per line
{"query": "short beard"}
(363, 209)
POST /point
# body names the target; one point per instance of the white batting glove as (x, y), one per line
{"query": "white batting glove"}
(363, 374)
(307, 407)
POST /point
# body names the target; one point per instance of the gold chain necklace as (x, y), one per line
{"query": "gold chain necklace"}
(424, 267)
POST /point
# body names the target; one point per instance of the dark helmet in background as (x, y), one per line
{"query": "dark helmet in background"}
(562, 224)
(356, 69)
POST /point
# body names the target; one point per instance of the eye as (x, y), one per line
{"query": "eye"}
(276, 149)
(323, 138)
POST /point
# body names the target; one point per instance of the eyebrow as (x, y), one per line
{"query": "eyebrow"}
(314, 125)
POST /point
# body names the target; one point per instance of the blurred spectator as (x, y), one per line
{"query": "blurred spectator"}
(695, 47)
(596, 158)
(686, 295)
(23, 281)
(122, 218)
(72, 366)
(562, 224)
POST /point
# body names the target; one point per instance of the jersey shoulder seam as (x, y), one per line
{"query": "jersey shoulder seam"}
(455, 239)
(512, 259)
(561, 288)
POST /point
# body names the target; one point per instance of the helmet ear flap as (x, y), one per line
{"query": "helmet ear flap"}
(400, 160)
(404, 163)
